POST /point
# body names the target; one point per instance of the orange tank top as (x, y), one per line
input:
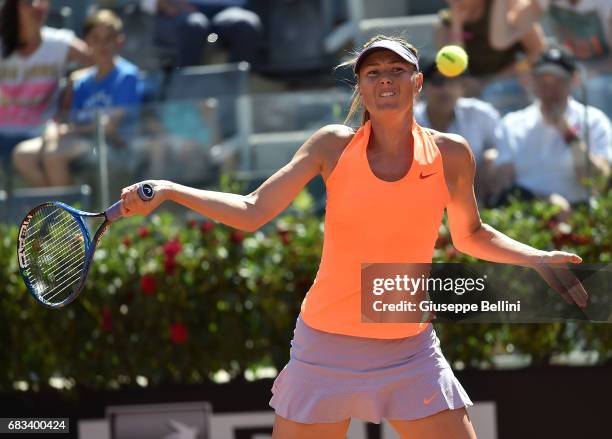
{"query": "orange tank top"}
(369, 220)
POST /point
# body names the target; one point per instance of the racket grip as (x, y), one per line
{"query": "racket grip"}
(113, 213)
(145, 192)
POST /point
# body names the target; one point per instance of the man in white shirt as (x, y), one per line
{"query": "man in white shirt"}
(543, 148)
(445, 109)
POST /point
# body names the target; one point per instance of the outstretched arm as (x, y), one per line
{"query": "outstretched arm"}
(480, 240)
(80, 53)
(511, 20)
(245, 212)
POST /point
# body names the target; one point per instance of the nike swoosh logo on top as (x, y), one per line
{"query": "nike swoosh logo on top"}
(425, 176)
(426, 401)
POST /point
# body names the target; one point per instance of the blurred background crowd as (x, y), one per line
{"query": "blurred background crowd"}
(99, 93)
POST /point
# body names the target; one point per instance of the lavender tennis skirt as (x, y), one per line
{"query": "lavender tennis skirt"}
(333, 377)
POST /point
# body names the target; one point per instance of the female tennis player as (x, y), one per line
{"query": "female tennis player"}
(388, 184)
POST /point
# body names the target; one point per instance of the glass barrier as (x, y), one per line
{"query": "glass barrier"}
(299, 111)
(195, 141)
(186, 141)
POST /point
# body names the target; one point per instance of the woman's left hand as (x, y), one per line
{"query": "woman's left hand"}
(553, 269)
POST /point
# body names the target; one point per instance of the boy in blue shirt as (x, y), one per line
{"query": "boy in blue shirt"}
(110, 86)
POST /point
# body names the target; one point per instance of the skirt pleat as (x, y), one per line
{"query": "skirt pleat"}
(333, 377)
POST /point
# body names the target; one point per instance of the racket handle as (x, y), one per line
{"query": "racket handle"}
(113, 213)
(145, 192)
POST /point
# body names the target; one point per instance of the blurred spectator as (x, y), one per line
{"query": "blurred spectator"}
(111, 84)
(542, 148)
(185, 25)
(445, 109)
(582, 26)
(468, 23)
(176, 140)
(33, 61)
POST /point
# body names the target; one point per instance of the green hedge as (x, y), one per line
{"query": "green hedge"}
(175, 301)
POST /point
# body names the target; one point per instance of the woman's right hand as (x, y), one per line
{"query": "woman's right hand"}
(132, 204)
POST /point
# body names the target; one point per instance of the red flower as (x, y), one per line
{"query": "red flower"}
(561, 239)
(237, 236)
(172, 248)
(170, 265)
(207, 226)
(552, 224)
(143, 232)
(126, 241)
(580, 239)
(178, 333)
(285, 236)
(441, 242)
(147, 284)
(451, 252)
(107, 319)
(192, 223)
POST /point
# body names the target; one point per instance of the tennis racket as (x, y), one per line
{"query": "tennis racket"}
(55, 249)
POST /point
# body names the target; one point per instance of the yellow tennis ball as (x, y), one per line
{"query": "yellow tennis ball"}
(451, 60)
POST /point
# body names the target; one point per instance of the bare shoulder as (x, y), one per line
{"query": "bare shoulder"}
(335, 134)
(332, 141)
(457, 159)
(455, 150)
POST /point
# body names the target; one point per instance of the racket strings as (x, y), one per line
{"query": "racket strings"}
(37, 244)
(55, 251)
(54, 212)
(55, 272)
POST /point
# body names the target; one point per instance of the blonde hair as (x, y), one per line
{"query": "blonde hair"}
(103, 17)
(356, 104)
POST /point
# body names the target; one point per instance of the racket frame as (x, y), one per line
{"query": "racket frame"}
(113, 213)
(90, 247)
